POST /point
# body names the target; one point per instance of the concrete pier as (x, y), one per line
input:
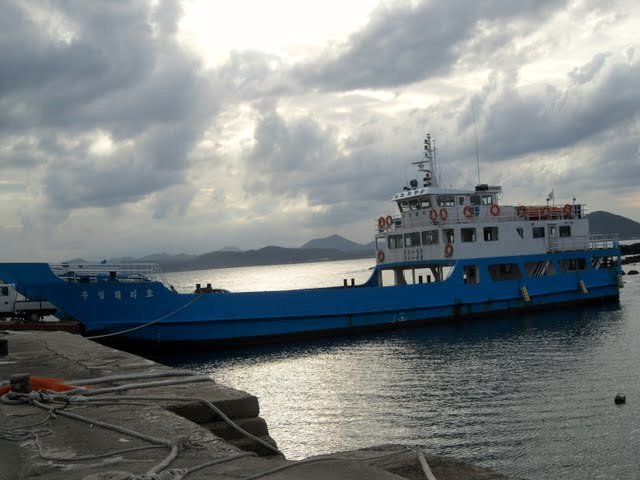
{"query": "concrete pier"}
(36, 444)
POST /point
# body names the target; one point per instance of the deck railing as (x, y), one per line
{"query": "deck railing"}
(130, 271)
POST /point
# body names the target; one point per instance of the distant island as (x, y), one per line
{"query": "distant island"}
(333, 247)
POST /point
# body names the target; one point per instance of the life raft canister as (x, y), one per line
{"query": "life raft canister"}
(443, 214)
(546, 213)
(448, 250)
(495, 209)
(468, 211)
(380, 256)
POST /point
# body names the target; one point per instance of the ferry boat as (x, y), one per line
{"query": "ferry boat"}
(444, 254)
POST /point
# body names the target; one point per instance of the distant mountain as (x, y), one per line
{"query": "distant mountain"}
(605, 222)
(266, 256)
(229, 249)
(335, 242)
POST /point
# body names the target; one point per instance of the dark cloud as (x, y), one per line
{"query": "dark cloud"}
(113, 69)
(405, 44)
(513, 121)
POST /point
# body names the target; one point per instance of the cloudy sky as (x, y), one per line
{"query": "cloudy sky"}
(135, 127)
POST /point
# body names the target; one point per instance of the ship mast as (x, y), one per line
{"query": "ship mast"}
(428, 165)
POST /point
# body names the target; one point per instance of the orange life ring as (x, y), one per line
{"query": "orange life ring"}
(495, 209)
(44, 383)
(468, 211)
(521, 210)
(546, 213)
(448, 250)
(381, 223)
(388, 221)
(443, 214)
(567, 211)
(433, 215)
(380, 256)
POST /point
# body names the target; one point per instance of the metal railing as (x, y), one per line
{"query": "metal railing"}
(508, 213)
(121, 271)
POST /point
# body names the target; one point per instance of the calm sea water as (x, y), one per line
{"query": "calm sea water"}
(527, 395)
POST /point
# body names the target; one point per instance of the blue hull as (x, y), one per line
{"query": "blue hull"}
(230, 318)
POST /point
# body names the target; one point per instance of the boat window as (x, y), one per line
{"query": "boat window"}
(487, 199)
(552, 230)
(520, 232)
(538, 232)
(412, 239)
(447, 235)
(425, 202)
(430, 237)
(404, 206)
(572, 264)
(460, 200)
(471, 274)
(446, 201)
(414, 205)
(490, 234)
(475, 200)
(467, 235)
(504, 271)
(540, 269)
(565, 231)
(394, 241)
(4, 291)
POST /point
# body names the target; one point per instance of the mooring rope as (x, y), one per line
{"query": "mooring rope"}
(146, 324)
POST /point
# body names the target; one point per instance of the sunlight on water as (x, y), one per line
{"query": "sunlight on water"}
(528, 395)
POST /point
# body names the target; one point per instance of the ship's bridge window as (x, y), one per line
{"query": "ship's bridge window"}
(487, 199)
(572, 264)
(504, 271)
(565, 231)
(475, 200)
(414, 205)
(425, 202)
(412, 239)
(430, 237)
(467, 235)
(446, 201)
(404, 206)
(394, 241)
(490, 234)
(538, 232)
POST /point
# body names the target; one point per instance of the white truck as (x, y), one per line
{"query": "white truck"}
(15, 306)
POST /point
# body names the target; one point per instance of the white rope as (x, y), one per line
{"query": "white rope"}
(425, 465)
(146, 324)
(132, 376)
(136, 386)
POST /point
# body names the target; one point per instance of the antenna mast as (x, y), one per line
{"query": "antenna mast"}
(428, 165)
(476, 134)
